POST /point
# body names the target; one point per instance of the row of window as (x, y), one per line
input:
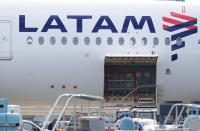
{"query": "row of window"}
(98, 40)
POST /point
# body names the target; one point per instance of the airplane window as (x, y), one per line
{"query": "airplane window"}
(98, 40)
(133, 40)
(144, 41)
(75, 40)
(167, 41)
(64, 40)
(87, 40)
(179, 41)
(109, 40)
(53, 40)
(41, 40)
(121, 40)
(29, 40)
(155, 41)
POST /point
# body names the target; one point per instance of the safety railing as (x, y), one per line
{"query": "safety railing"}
(133, 91)
(178, 114)
(68, 99)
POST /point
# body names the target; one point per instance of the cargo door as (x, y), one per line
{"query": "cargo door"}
(131, 78)
(5, 40)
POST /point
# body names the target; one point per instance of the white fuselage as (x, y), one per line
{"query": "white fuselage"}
(28, 74)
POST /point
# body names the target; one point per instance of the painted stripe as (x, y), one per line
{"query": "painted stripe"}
(181, 16)
(176, 47)
(165, 26)
(184, 34)
(171, 24)
(176, 22)
(174, 57)
(182, 25)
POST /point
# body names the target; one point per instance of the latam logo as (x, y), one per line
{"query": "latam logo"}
(102, 23)
(187, 23)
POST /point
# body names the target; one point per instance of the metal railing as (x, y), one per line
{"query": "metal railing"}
(178, 115)
(133, 91)
(69, 98)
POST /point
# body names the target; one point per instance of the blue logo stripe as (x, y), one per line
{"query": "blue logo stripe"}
(182, 25)
(174, 57)
(184, 34)
(176, 47)
(188, 24)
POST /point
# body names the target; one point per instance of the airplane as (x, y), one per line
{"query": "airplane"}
(103, 48)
